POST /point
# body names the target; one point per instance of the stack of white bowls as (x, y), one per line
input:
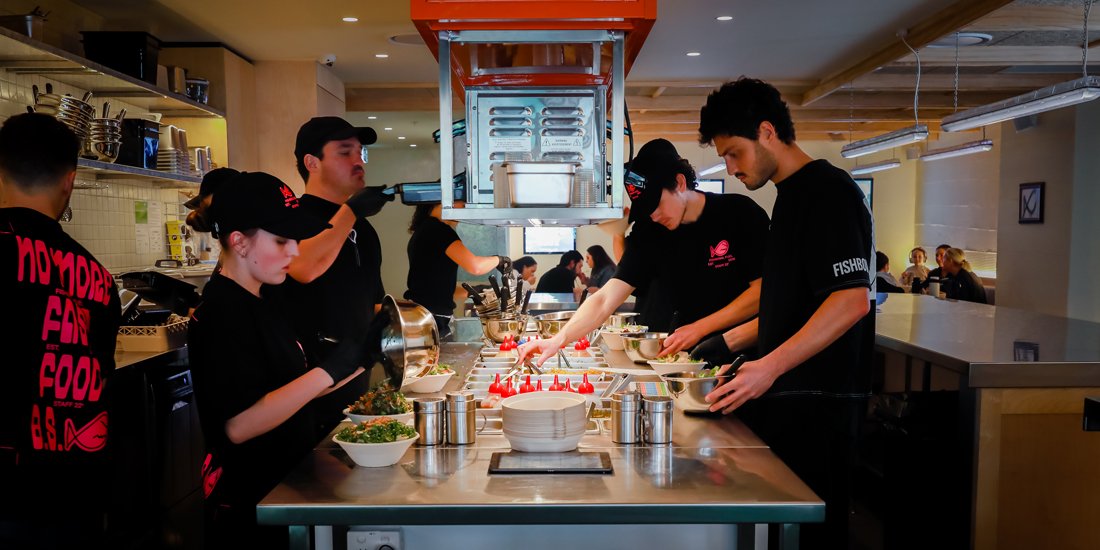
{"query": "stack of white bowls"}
(543, 422)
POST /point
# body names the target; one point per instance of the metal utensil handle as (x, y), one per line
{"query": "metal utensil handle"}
(474, 295)
(526, 301)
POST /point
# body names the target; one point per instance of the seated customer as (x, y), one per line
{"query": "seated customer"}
(963, 284)
(560, 279)
(884, 281)
(525, 272)
(916, 272)
(603, 268)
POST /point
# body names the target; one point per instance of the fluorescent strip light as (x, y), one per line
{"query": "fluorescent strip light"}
(911, 134)
(717, 167)
(1039, 101)
(876, 167)
(968, 148)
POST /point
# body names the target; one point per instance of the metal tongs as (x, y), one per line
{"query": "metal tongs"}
(515, 369)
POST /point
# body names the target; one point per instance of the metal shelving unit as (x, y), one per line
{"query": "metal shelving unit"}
(23, 55)
(94, 169)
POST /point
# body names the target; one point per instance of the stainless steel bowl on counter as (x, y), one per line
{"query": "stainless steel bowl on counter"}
(689, 389)
(498, 330)
(644, 347)
(410, 338)
(620, 319)
(549, 324)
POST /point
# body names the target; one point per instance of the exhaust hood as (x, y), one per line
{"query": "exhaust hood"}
(540, 85)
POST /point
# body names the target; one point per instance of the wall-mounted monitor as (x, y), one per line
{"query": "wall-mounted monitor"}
(711, 185)
(549, 240)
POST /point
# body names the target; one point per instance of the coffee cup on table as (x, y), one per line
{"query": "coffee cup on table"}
(934, 288)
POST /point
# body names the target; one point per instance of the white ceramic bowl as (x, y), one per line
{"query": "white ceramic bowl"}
(376, 455)
(542, 444)
(405, 418)
(430, 383)
(543, 422)
(663, 368)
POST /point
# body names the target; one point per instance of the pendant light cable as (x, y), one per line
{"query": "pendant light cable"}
(955, 98)
(1085, 40)
(916, 89)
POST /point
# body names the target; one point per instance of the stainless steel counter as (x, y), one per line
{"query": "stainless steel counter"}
(992, 346)
(716, 472)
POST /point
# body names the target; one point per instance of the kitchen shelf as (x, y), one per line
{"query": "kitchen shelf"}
(108, 170)
(20, 54)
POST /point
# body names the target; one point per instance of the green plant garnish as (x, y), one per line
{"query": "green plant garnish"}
(383, 399)
(379, 430)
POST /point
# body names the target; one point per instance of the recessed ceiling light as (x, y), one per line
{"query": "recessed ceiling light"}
(350, 20)
(387, 129)
(372, 118)
(412, 145)
(724, 18)
(965, 39)
(400, 137)
(693, 54)
(381, 55)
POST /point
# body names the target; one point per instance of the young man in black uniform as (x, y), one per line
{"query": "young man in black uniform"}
(335, 284)
(560, 279)
(815, 331)
(62, 316)
(704, 249)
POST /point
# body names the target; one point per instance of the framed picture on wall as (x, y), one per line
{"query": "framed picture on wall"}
(1031, 202)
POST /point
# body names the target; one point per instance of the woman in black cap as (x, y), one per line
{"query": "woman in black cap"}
(252, 380)
(198, 218)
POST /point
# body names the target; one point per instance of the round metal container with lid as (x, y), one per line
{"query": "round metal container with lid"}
(626, 408)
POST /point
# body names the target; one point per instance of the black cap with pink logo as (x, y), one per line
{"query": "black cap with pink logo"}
(654, 168)
(256, 200)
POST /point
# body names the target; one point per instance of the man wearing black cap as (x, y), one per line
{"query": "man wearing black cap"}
(704, 249)
(805, 395)
(335, 285)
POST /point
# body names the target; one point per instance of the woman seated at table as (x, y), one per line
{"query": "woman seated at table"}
(252, 379)
(916, 272)
(525, 272)
(602, 266)
(963, 284)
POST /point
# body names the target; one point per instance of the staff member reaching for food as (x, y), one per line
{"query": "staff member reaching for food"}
(804, 395)
(252, 379)
(711, 244)
(435, 253)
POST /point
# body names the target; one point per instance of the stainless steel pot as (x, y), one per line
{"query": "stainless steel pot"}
(549, 324)
(410, 337)
(644, 347)
(499, 330)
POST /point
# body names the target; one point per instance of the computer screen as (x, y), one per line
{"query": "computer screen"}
(711, 185)
(549, 240)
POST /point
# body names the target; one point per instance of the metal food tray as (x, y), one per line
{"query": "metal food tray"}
(540, 183)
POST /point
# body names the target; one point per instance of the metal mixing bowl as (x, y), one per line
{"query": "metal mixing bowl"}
(689, 390)
(644, 347)
(549, 324)
(410, 338)
(498, 330)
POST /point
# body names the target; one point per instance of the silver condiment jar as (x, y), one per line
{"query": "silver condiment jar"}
(657, 419)
(626, 409)
(461, 418)
(429, 415)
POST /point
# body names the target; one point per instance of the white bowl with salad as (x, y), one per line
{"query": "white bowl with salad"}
(381, 402)
(678, 362)
(377, 443)
(613, 336)
(431, 382)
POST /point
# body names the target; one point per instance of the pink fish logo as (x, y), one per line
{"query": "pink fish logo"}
(720, 249)
(91, 438)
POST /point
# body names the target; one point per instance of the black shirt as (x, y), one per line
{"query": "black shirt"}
(821, 241)
(965, 286)
(61, 311)
(559, 280)
(432, 275)
(242, 347)
(702, 266)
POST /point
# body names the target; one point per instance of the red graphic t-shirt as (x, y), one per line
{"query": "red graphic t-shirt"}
(61, 315)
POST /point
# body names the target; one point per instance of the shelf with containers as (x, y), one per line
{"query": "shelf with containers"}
(26, 62)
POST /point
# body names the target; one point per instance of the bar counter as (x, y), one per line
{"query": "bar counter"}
(716, 472)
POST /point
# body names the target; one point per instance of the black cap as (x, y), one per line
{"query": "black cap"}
(255, 200)
(654, 168)
(211, 182)
(313, 135)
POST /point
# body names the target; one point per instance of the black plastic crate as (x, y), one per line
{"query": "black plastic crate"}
(134, 53)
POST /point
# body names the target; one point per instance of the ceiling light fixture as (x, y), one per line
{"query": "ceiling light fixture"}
(372, 117)
(904, 136)
(1086, 88)
(712, 169)
(693, 54)
(964, 39)
(412, 145)
(350, 20)
(876, 167)
(381, 55)
(400, 137)
(724, 18)
(967, 148)
(387, 128)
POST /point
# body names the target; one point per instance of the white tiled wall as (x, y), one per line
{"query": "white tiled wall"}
(103, 221)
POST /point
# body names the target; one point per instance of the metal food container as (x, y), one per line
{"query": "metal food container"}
(540, 183)
(410, 338)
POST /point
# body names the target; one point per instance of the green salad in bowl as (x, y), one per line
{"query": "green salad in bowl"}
(379, 430)
(376, 443)
(441, 368)
(383, 399)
